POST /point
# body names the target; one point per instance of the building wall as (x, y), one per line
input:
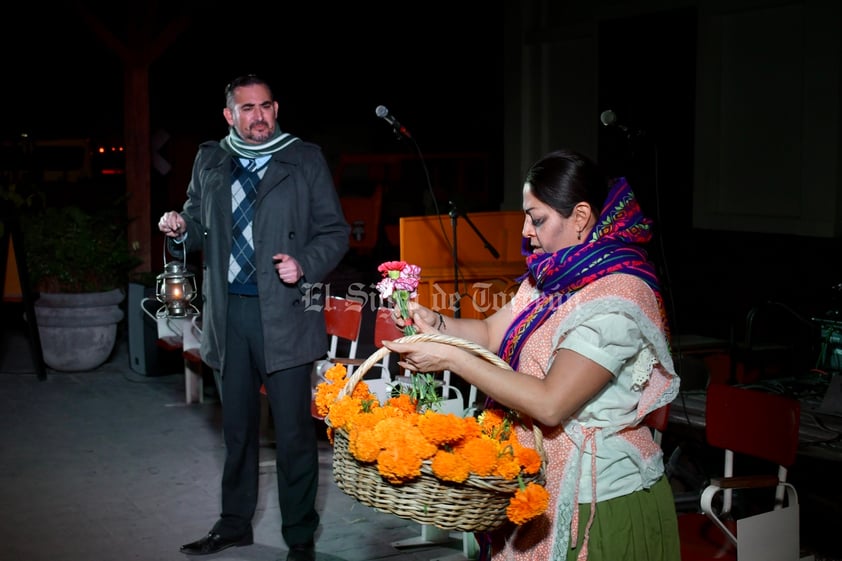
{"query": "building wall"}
(733, 108)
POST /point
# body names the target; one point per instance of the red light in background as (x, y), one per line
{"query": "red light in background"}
(110, 160)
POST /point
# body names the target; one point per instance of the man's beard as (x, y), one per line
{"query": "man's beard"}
(261, 137)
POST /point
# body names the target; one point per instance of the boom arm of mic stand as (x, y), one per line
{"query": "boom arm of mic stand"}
(494, 253)
(454, 214)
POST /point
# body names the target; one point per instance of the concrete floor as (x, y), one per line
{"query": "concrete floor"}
(113, 465)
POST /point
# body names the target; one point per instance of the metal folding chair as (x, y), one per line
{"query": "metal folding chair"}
(749, 517)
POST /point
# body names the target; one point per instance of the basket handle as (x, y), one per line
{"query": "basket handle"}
(464, 344)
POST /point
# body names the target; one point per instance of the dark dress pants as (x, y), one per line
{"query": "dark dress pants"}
(289, 393)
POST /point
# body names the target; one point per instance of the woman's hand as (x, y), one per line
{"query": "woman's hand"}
(424, 356)
(424, 319)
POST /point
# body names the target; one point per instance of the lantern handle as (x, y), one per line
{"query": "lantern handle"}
(165, 254)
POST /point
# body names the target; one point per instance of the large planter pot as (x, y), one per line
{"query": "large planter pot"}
(78, 331)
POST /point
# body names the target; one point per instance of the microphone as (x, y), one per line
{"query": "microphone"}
(609, 119)
(384, 114)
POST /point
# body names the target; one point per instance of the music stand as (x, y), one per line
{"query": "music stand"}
(454, 214)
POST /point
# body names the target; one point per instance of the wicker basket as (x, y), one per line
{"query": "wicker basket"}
(477, 504)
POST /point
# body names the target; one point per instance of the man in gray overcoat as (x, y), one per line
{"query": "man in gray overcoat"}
(262, 207)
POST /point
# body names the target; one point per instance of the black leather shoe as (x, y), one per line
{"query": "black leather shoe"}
(302, 552)
(214, 542)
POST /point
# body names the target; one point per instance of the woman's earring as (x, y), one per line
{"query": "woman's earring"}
(579, 235)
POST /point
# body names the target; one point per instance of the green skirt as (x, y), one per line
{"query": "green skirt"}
(637, 527)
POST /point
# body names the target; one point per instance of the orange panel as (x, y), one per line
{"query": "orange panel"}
(11, 289)
(485, 283)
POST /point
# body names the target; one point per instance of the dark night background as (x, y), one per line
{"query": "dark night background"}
(437, 66)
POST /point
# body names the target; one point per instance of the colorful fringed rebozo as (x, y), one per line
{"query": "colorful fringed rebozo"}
(614, 246)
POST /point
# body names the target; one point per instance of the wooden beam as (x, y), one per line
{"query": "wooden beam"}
(138, 162)
(137, 52)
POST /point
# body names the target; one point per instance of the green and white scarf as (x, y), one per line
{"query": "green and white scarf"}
(234, 144)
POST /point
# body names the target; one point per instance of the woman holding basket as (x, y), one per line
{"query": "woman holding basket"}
(586, 336)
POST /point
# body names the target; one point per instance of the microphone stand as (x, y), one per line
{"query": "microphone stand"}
(401, 133)
(454, 214)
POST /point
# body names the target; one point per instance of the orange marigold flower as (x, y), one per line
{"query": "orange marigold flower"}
(398, 465)
(363, 445)
(390, 429)
(529, 459)
(414, 440)
(450, 467)
(336, 373)
(388, 439)
(441, 428)
(490, 419)
(472, 428)
(369, 419)
(495, 423)
(403, 402)
(324, 398)
(481, 455)
(399, 432)
(528, 503)
(507, 467)
(326, 394)
(343, 411)
(362, 391)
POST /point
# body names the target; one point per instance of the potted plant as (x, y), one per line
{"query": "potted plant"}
(79, 262)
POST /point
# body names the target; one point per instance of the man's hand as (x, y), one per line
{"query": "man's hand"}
(172, 224)
(288, 267)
